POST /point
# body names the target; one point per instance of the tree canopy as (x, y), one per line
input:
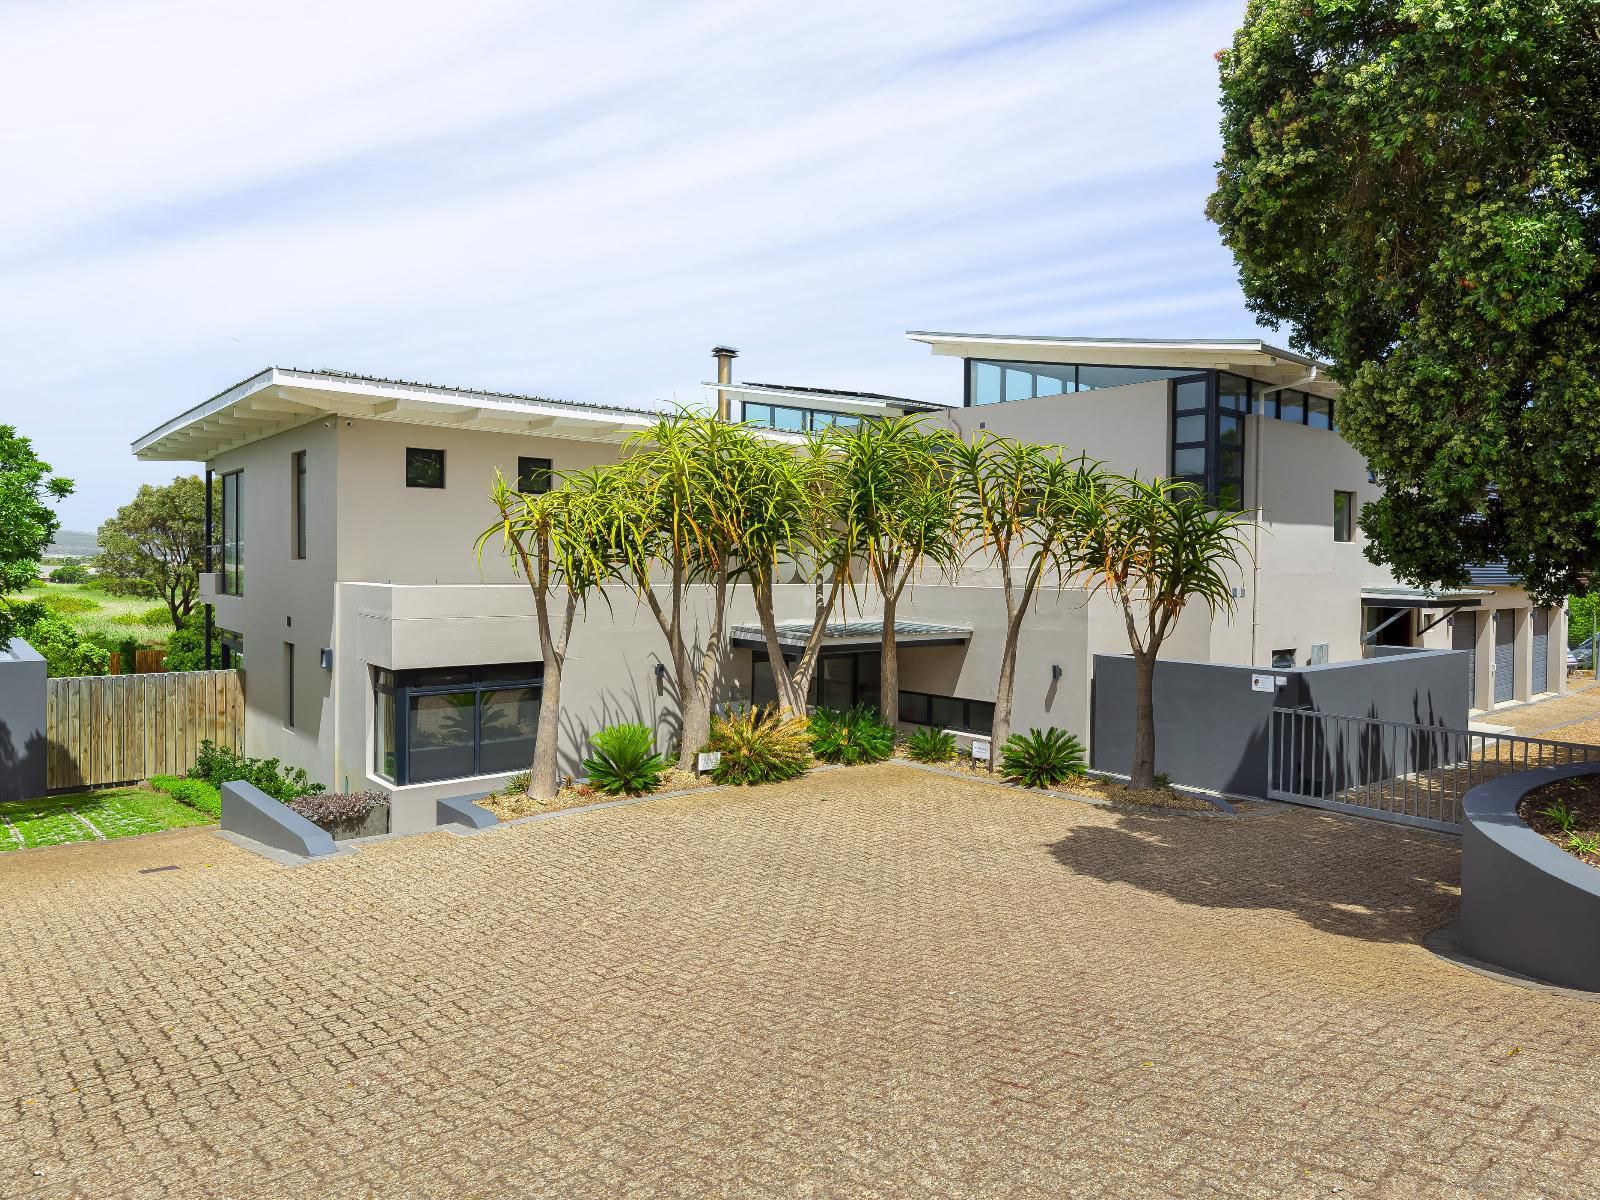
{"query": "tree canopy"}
(1411, 185)
(156, 545)
(28, 521)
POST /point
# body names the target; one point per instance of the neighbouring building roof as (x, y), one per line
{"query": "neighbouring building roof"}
(1495, 574)
(794, 633)
(1250, 356)
(1410, 597)
(829, 398)
(280, 398)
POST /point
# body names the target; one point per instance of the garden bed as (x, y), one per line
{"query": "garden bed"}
(1567, 814)
(515, 802)
(1105, 790)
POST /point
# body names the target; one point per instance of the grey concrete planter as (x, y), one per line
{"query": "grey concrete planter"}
(1526, 905)
(375, 822)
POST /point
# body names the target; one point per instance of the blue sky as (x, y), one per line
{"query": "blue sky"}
(580, 200)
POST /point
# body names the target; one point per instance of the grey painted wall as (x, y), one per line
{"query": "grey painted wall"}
(22, 722)
(1211, 725)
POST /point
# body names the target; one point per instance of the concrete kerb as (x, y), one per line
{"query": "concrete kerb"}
(1444, 943)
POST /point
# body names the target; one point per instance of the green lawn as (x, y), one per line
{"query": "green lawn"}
(115, 812)
(100, 614)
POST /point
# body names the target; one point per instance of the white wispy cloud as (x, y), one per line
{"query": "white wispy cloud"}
(580, 200)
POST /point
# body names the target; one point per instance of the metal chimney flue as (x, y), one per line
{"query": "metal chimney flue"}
(724, 356)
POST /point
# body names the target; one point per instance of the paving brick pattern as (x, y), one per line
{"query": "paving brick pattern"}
(877, 982)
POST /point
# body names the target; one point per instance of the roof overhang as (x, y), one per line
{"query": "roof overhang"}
(1401, 597)
(1245, 356)
(282, 398)
(850, 635)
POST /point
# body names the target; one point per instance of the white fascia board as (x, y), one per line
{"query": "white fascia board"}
(796, 399)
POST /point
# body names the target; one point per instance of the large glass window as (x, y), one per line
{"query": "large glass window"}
(232, 534)
(997, 382)
(1208, 411)
(1319, 412)
(793, 419)
(455, 723)
(947, 712)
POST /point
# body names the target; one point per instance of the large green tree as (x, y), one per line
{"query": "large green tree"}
(28, 522)
(156, 545)
(1413, 186)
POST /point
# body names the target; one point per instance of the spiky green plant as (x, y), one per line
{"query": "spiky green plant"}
(1559, 815)
(1041, 758)
(624, 761)
(758, 745)
(851, 736)
(931, 745)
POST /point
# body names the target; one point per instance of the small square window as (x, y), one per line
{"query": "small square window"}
(533, 475)
(424, 468)
(1283, 660)
(1344, 509)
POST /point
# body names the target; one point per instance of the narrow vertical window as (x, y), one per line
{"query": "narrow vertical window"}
(288, 685)
(1344, 507)
(232, 534)
(298, 481)
(533, 475)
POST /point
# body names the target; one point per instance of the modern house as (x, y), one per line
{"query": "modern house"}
(380, 652)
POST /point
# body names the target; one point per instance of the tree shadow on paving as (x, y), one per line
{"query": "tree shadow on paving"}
(1351, 878)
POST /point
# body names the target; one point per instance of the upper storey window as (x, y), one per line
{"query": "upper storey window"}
(797, 420)
(232, 534)
(993, 382)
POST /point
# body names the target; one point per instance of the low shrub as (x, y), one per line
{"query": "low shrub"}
(850, 736)
(624, 762)
(69, 572)
(759, 746)
(218, 765)
(68, 603)
(931, 745)
(1041, 757)
(337, 808)
(519, 783)
(196, 793)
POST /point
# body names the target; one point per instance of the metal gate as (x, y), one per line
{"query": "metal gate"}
(1541, 650)
(1409, 774)
(1464, 637)
(1505, 656)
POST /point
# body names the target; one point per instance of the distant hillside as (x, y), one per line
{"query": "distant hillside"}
(72, 543)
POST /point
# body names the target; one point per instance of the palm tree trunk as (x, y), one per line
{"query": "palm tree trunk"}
(889, 668)
(1000, 730)
(542, 779)
(695, 695)
(790, 701)
(1142, 773)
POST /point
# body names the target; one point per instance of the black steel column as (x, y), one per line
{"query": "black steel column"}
(208, 569)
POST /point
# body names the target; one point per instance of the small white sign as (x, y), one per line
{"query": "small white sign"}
(709, 760)
(1283, 681)
(1263, 683)
(980, 750)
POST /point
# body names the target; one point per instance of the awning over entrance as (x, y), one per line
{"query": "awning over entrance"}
(1404, 597)
(852, 635)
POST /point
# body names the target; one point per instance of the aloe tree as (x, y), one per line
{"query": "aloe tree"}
(1021, 506)
(1156, 547)
(675, 521)
(898, 514)
(558, 542)
(789, 527)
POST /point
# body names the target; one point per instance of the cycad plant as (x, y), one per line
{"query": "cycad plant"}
(851, 736)
(929, 745)
(759, 745)
(1041, 758)
(624, 761)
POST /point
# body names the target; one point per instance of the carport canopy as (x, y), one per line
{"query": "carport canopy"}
(1404, 597)
(851, 635)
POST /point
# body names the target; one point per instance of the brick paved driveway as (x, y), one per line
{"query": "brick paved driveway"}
(878, 982)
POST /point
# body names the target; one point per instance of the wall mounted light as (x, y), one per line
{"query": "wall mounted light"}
(661, 674)
(325, 657)
(1055, 670)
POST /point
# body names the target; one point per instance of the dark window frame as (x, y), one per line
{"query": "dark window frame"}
(808, 417)
(1344, 532)
(434, 455)
(288, 685)
(531, 469)
(1210, 480)
(403, 685)
(232, 540)
(916, 708)
(297, 483)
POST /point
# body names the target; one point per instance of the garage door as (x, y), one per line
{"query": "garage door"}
(1541, 650)
(1505, 655)
(1464, 637)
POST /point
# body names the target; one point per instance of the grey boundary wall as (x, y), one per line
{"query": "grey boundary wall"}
(1526, 905)
(1211, 725)
(22, 722)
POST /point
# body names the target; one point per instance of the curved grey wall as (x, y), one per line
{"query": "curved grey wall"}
(1526, 904)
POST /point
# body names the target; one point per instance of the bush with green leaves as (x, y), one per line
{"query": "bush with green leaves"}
(218, 765)
(65, 650)
(931, 745)
(624, 761)
(1041, 758)
(69, 572)
(758, 745)
(196, 793)
(67, 603)
(850, 736)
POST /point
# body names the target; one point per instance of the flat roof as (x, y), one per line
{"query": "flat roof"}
(280, 398)
(835, 397)
(1410, 597)
(794, 633)
(1250, 356)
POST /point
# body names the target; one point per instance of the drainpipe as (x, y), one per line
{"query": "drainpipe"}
(724, 356)
(209, 610)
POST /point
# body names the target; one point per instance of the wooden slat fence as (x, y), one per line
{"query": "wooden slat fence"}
(118, 728)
